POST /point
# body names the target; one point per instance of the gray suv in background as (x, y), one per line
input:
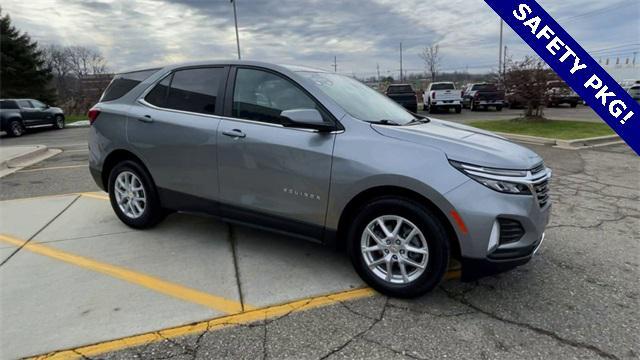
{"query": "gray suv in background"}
(323, 157)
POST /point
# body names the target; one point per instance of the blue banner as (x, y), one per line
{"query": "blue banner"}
(574, 65)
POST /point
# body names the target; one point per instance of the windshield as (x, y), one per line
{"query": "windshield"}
(443, 86)
(359, 100)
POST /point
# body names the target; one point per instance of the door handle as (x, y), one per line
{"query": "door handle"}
(146, 119)
(235, 133)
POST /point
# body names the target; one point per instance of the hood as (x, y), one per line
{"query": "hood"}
(465, 144)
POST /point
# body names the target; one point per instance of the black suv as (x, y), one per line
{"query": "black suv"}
(18, 114)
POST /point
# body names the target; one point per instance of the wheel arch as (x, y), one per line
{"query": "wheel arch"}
(115, 157)
(364, 197)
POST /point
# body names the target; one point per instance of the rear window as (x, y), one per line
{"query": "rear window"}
(123, 83)
(399, 89)
(485, 87)
(8, 104)
(442, 87)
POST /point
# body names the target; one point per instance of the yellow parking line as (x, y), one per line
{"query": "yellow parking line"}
(94, 195)
(52, 168)
(165, 287)
(215, 324)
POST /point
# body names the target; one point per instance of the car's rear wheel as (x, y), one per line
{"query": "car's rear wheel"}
(499, 108)
(133, 196)
(15, 128)
(458, 109)
(398, 247)
(59, 122)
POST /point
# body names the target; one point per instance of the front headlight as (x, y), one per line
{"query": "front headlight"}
(501, 180)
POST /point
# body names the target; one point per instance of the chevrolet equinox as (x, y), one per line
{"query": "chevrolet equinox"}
(322, 157)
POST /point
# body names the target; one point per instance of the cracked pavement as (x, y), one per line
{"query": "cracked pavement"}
(577, 299)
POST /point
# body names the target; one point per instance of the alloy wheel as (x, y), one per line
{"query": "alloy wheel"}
(130, 194)
(394, 249)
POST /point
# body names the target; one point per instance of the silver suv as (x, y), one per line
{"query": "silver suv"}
(322, 157)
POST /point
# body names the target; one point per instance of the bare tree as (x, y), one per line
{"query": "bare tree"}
(431, 57)
(85, 61)
(79, 75)
(57, 59)
(527, 81)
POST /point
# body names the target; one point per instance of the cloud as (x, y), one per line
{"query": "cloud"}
(361, 34)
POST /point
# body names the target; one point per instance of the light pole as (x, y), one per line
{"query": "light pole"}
(401, 78)
(235, 17)
(500, 53)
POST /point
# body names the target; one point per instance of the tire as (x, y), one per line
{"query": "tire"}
(58, 122)
(15, 128)
(458, 109)
(431, 236)
(574, 104)
(151, 213)
(433, 109)
(499, 108)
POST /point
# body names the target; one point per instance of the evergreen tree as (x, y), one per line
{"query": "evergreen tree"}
(23, 73)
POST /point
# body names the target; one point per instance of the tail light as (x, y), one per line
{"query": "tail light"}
(433, 94)
(476, 95)
(93, 115)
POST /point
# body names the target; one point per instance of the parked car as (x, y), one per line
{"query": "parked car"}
(442, 95)
(633, 88)
(16, 115)
(404, 95)
(482, 95)
(558, 92)
(322, 157)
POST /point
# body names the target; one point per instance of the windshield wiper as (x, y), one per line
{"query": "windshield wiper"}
(385, 122)
(418, 120)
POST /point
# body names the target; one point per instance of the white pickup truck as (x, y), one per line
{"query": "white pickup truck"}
(442, 95)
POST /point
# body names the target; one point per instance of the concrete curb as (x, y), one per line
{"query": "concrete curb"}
(576, 144)
(21, 159)
(28, 153)
(78, 124)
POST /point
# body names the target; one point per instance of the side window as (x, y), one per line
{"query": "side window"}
(25, 104)
(158, 95)
(195, 90)
(37, 104)
(261, 96)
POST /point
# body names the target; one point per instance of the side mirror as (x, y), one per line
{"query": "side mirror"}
(306, 119)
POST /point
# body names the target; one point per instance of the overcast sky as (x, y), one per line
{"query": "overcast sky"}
(141, 33)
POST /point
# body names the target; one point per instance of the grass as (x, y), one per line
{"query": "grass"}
(68, 119)
(553, 129)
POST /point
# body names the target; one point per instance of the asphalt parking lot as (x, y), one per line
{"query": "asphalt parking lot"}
(76, 283)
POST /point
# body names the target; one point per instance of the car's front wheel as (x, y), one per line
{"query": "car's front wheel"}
(58, 122)
(398, 247)
(133, 196)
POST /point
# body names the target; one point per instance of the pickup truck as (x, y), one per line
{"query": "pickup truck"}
(16, 115)
(558, 92)
(442, 95)
(404, 95)
(482, 95)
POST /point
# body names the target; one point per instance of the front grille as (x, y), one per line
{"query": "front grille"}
(542, 192)
(510, 231)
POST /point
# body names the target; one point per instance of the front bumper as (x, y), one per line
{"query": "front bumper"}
(473, 268)
(487, 213)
